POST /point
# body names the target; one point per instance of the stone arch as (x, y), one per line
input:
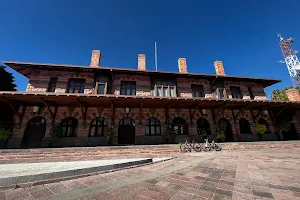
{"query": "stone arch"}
(203, 127)
(180, 126)
(225, 127)
(34, 132)
(69, 126)
(153, 126)
(244, 126)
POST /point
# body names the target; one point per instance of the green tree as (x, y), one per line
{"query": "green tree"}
(280, 95)
(7, 80)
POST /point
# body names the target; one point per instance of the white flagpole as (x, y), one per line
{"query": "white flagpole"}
(155, 56)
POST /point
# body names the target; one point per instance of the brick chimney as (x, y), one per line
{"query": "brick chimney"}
(141, 62)
(95, 59)
(219, 68)
(182, 65)
(293, 94)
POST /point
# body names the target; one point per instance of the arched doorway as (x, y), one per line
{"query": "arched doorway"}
(126, 131)
(244, 126)
(34, 133)
(225, 127)
(284, 123)
(203, 127)
(179, 126)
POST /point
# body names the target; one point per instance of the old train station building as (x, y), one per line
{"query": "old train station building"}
(140, 105)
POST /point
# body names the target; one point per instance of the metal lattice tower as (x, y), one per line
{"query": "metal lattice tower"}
(291, 59)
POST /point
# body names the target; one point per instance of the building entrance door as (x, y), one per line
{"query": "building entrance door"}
(34, 133)
(126, 131)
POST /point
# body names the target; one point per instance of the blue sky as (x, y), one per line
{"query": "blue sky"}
(240, 33)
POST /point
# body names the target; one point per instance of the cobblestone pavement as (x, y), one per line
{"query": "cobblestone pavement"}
(261, 175)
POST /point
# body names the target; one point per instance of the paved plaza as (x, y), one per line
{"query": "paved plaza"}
(251, 174)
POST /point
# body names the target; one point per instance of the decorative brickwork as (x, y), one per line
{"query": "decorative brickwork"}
(39, 81)
(293, 94)
(182, 65)
(219, 68)
(141, 62)
(83, 129)
(142, 84)
(257, 90)
(95, 59)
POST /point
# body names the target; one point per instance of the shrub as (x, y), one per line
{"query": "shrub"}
(220, 136)
(260, 128)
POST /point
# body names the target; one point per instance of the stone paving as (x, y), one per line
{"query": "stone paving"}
(256, 174)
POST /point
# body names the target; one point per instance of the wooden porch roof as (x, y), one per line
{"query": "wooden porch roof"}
(92, 100)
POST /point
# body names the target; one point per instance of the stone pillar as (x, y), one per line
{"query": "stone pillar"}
(141, 62)
(219, 68)
(182, 65)
(293, 94)
(95, 59)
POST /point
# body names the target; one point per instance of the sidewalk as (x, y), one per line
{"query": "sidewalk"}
(251, 175)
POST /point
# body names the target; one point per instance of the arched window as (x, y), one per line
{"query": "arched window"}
(153, 126)
(244, 126)
(97, 126)
(126, 121)
(180, 126)
(263, 121)
(203, 127)
(69, 126)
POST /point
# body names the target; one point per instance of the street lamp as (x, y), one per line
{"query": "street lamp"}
(35, 109)
(127, 110)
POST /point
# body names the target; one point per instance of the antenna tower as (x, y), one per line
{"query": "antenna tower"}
(291, 59)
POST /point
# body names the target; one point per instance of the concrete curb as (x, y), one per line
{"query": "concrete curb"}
(54, 180)
(23, 181)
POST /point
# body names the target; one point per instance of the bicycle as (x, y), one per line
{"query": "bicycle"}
(188, 146)
(208, 146)
(215, 146)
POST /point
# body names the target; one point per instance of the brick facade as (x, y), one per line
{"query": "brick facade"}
(39, 83)
(83, 129)
(293, 94)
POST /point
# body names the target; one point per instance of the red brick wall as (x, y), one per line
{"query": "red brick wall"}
(39, 81)
(142, 84)
(159, 113)
(257, 90)
(184, 87)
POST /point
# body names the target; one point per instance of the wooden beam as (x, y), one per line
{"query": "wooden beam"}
(141, 113)
(277, 115)
(252, 115)
(19, 115)
(50, 111)
(220, 108)
(213, 116)
(195, 110)
(83, 109)
(167, 112)
(112, 106)
(234, 119)
(191, 116)
(235, 116)
(260, 111)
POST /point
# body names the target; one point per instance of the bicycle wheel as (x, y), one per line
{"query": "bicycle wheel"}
(197, 147)
(206, 148)
(218, 147)
(184, 148)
